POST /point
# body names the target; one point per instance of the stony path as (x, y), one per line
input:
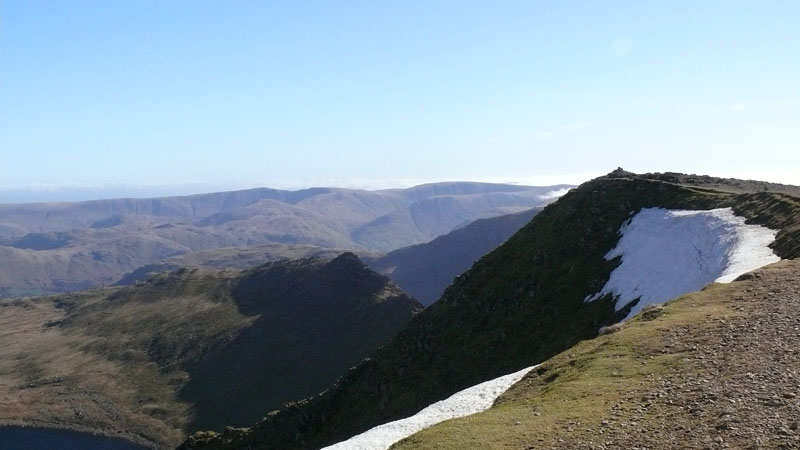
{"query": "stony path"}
(739, 387)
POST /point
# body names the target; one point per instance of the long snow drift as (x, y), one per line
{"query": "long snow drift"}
(668, 253)
(469, 401)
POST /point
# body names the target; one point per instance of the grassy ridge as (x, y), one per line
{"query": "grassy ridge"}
(191, 348)
(577, 388)
(517, 306)
(651, 384)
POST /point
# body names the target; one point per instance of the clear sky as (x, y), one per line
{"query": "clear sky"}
(224, 94)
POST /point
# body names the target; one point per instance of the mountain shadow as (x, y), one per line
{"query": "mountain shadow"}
(193, 347)
(517, 306)
(314, 321)
(425, 270)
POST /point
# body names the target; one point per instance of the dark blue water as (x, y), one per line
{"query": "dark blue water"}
(23, 438)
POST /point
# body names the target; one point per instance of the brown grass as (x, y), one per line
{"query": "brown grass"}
(88, 369)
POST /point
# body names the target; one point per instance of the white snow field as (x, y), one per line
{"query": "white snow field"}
(469, 401)
(668, 253)
(664, 254)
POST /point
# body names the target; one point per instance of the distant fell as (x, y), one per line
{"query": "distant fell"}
(422, 270)
(425, 270)
(230, 258)
(89, 244)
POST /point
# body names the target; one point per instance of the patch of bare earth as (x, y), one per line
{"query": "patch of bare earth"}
(49, 379)
(738, 383)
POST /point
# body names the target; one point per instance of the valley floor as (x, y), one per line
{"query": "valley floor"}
(719, 368)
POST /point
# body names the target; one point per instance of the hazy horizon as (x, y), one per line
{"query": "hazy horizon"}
(87, 192)
(150, 98)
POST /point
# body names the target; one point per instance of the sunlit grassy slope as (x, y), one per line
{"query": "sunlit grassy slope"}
(623, 389)
(191, 348)
(517, 306)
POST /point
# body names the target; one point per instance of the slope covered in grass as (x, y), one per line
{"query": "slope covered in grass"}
(471, 400)
(516, 307)
(191, 348)
(230, 258)
(713, 369)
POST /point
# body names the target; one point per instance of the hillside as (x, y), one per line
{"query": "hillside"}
(422, 270)
(713, 369)
(191, 348)
(517, 306)
(59, 247)
(230, 258)
(425, 270)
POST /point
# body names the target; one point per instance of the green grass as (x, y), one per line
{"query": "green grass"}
(153, 360)
(577, 389)
(519, 305)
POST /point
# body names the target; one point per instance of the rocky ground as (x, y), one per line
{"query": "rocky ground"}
(738, 385)
(719, 368)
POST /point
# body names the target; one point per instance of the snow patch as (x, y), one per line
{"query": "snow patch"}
(469, 401)
(668, 253)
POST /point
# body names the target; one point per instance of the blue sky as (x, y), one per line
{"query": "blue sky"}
(164, 96)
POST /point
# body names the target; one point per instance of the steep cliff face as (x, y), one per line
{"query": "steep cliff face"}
(517, 306)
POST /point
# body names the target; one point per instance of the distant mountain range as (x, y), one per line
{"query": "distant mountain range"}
(422, 270)
(230, 258)
(223, 343)
(58, 247)
(521, 304)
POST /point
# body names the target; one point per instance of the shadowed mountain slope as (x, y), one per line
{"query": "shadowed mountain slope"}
(422, 270)
(189, 348)
(314, 322)
(435, 216)
(425, 270)
(516, 306)
(712, 369)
